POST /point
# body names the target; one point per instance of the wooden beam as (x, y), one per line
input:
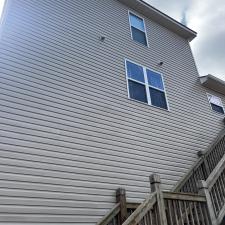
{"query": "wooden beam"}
(155, 187)
(184, 196)
(121, 199)
(110, 215)
(203, 190)
(220, 167)
(131, 205)
(141, 211)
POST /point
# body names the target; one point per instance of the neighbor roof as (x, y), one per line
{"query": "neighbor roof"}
(213, 83)
(161, 18)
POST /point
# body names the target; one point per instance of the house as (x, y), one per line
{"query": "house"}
(96, 95)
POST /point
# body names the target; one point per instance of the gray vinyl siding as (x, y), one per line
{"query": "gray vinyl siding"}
(69, 135)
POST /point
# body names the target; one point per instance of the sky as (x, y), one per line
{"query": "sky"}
(207, 18)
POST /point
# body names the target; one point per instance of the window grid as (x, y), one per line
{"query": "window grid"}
(220, 105)
(146, 84)
(144, 30)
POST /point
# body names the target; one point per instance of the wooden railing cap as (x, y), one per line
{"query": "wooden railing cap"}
(120, 191)
(154, 178)
(201, 184)
(200, 153)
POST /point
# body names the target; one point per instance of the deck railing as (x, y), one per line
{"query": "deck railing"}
(214, 190)
(206, 164)
(170, 208)
(175, 208)
(199, 200)
(146, 213)
(186, 209)
(120, 212)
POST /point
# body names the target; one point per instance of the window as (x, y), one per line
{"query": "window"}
(137, 27)
(2, 2)
(145, 85)
(216, 103)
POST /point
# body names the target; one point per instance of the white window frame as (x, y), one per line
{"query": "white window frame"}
(145, 31)
(146, 84)
(3, 16)
(208, 94)
(2, 8)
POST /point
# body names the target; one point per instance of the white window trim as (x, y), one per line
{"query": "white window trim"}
(145, 31)
(3, 16)
(222, 114)
(146, 85)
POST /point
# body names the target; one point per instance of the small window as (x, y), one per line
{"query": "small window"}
(137, 27)
(216, 103)
(2, 3)
(145, 85)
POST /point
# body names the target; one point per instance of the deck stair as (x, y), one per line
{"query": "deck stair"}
(198, 199)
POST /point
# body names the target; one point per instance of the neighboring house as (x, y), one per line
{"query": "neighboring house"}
(96, 95)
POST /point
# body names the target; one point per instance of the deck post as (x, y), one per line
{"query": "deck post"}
(206, 171)
(121, 198)
(203, 190)
(156, 187)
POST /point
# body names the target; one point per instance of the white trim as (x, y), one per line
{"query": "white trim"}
(167, 102)
(146, 104)
(158, 89)
(146, 84)
(3, 16)
(137, 81)
(128, 91)
(145, 31)
(216, 104)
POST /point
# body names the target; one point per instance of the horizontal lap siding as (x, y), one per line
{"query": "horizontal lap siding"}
(69, 137)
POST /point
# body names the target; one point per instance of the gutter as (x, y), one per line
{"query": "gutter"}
(213, 83)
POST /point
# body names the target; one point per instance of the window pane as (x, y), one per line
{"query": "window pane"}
(155, 79)
(137, 22)
(139, 36)
(215, 100)
(158, 98)
(217, 108)
(137, 91)
(135, 72)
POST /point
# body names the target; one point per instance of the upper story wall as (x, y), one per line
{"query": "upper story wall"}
(84, 24)
(69, 134)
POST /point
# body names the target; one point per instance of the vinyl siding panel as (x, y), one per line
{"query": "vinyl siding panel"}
(69, 136)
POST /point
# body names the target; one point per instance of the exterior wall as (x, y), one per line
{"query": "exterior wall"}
(69, 135)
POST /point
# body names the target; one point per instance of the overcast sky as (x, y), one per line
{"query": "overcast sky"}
(207, 18)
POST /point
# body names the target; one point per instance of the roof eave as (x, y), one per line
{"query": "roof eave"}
(213, 83)
(161, 18)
